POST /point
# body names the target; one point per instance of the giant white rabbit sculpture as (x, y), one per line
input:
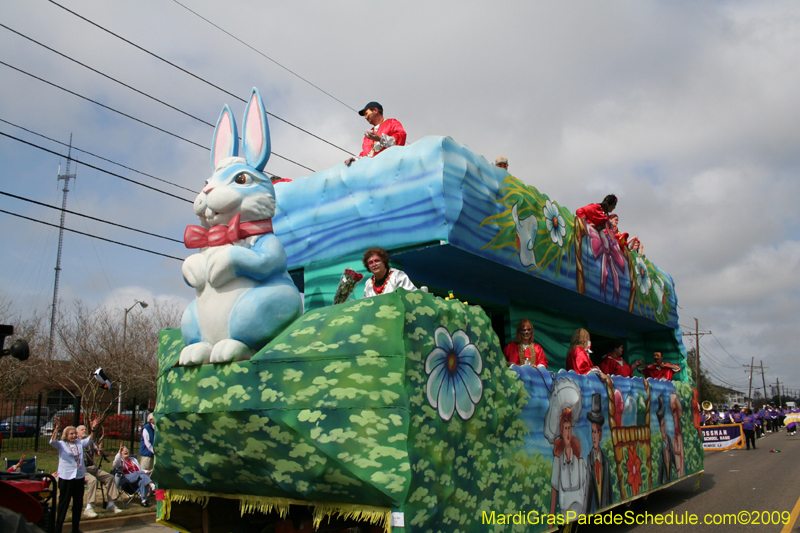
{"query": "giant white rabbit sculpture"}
(244, 295)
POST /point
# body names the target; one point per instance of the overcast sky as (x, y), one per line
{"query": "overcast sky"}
(688, 111)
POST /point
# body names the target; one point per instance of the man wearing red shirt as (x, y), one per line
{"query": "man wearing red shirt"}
(385, 132)
(614, 365)
(658, 369)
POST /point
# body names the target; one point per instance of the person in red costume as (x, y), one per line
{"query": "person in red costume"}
(523, 351)
(385, 132)
(597, 214)
(622, 238)
(578, 355)
(614, 365)
(658, 369)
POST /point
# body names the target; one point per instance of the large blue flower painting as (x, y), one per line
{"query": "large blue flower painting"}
(453, 369)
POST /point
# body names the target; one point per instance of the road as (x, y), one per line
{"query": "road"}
(734, 481)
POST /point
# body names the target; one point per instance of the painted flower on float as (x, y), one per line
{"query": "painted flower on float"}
(555, 222)
(658, 287)
(642, 277)
(634, 467)
(453, 369)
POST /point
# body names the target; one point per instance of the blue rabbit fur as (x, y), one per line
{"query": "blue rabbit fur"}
(244, 295)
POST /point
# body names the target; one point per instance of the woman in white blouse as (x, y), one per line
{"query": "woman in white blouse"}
(384, 279)
(71, 471)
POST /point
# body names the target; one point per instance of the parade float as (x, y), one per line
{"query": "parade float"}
(399, 412)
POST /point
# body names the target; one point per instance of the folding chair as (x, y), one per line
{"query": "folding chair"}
(125, 489)
(28, 465)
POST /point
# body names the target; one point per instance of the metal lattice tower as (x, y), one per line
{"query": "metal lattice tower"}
(66, 177)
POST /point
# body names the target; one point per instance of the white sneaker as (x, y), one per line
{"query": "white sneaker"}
(89, 513)
(113, 508)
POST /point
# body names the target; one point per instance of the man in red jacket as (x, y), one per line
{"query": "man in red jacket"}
(385, 132)
(658, 369)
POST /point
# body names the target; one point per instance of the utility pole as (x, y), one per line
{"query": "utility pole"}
(697, 334)
(750, 388)
(778, 386)
(66, 177)
(764, 381)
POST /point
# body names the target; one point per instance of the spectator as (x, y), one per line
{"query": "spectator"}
(384, 279)
(578, 355)
(597, 214)
(132, 473)
(501, 162)
(384, 133)
(17, 467)
(146, 453)
(94, 474)
(522, 350)
(614, 365)
(71, 473)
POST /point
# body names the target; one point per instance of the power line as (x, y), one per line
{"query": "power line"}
(259, 52)
(104, 106)
(98, 156)
(134, 118)
(89, 217)
(724, 350)
(90, 235)
(707, 353)
(98, 168)
(194, 75)
(107, 76)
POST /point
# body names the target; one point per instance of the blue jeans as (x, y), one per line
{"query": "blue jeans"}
(140, 479)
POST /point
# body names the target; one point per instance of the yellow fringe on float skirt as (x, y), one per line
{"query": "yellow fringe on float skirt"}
(379, 516)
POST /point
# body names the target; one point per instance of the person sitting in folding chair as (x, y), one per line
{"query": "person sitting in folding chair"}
(92, 456)
(132, 473)
(27, 467)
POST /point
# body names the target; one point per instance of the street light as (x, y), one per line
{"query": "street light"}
(125, 344)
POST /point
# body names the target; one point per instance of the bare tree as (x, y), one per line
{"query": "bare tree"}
(89, 339)
(15, 376)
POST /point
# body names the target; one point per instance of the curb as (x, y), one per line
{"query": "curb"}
(118, 522)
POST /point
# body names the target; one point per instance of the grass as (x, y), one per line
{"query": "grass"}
(47, 458)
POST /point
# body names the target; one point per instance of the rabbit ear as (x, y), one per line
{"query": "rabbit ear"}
(255, 133)
(226, 140)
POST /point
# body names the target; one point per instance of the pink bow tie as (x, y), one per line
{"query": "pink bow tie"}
(200, 237)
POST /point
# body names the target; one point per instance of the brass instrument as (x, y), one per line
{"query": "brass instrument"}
(707, 407)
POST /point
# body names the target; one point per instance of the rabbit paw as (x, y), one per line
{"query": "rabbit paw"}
(195, 354)
(194, 271)
(229, 350)
(220, 269)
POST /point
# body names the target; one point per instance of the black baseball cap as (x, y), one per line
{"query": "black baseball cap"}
(369, 105)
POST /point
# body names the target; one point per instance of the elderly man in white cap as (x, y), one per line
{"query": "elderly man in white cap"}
(384, 133)
(501, 162)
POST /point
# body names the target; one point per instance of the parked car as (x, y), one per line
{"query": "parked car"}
(46, 411)
(24, 426)
(65, 417)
